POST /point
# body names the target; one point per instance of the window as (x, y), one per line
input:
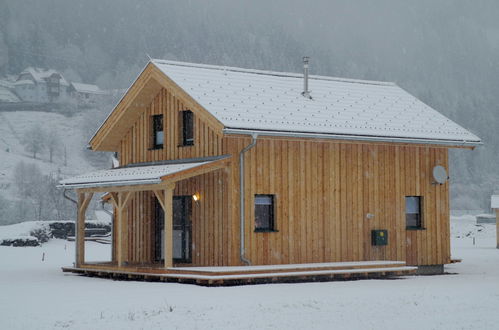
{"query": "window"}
(413, 216)
(187, 128)
(264, 213)
(157, 132)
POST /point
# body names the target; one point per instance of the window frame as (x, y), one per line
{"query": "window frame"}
(272, 215)
(154, 132)
(420, 219)
(185, 141)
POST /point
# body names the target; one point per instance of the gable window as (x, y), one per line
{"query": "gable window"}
(187, 128)
(264, 213)
(157, 132)
(413, 212)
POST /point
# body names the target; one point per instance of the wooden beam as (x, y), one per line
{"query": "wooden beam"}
(83, 202)
(161, 198)
(168, 228)
(199, 170)
(497, 227)
(139, 187)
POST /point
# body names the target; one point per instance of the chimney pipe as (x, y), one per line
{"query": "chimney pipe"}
(305, 92)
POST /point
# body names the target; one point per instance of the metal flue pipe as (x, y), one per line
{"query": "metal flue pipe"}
(305, 92)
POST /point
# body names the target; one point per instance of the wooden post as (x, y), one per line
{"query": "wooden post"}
(497, 227)
(120, 201)
(165, 199)
(168, 211)
(83, 202)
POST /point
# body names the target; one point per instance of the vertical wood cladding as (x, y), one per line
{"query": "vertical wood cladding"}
(324, 192)
(136, 145)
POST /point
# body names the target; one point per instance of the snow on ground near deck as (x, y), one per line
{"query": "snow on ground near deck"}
(36, 294)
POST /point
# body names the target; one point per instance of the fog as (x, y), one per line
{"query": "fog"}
(444, 52)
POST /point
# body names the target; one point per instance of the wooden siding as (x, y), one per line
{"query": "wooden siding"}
(210, 244)
(135, 146)
(324, 191)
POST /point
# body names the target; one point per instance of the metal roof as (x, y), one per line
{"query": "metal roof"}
(124, 176)
(252, 100)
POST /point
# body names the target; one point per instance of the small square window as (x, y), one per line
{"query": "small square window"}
(157, 132)
(413, 212)
(264, 213)
(187, 128)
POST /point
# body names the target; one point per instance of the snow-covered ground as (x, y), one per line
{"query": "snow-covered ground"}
(35, 294)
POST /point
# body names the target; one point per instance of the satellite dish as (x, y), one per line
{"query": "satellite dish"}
(440, 174)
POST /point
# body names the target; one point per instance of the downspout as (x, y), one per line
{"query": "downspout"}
(241, 198)
(76, 224)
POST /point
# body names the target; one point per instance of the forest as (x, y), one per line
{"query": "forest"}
(444, 52)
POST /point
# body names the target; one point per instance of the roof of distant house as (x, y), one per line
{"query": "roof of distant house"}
(40, 75)
(266, 101)
(7, 95)
(87, 88)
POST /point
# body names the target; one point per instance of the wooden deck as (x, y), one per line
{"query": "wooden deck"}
(241, 275)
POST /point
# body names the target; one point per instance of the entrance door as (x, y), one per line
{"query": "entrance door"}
(181, 230)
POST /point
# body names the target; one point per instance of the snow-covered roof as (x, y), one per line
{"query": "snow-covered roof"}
(87, 88)
(40, 75)
(254, 100)
(24, 82)
(150, 174)
(7, 96)
(6, 83)
(494, 202)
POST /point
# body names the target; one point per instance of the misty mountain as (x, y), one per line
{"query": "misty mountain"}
(444, 52)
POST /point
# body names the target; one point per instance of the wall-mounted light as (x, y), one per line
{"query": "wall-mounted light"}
(196, 197)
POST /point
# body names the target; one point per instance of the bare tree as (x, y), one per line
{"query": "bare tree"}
(35, 140)
(53, 144)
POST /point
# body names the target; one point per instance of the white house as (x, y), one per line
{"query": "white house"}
(42, 86)
(86, 94)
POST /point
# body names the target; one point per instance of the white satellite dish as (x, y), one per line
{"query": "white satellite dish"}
(440, 174)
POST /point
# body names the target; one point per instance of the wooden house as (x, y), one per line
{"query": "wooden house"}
(245, 172)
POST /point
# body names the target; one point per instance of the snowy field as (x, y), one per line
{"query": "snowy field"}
(35, 294)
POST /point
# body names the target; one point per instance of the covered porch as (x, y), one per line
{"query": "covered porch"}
(143, 198)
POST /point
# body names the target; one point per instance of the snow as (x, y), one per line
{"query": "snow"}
(264, 100)
(291, 266)
(13, 127)
(494, 202)
(87, 88)
(128, 175)
(7, 95)
(40, 75)
(36, 294)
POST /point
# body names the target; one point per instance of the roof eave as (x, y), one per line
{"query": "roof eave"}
(360, 138)
(109, 184)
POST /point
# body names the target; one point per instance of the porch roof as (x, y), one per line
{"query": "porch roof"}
(143, 174)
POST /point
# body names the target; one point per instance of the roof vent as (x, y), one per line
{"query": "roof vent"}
(305, 92)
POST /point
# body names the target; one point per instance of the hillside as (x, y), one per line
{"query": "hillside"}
(71, 156)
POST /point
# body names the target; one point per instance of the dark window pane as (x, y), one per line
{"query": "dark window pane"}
(264, 212)
(187, 128)
(413, 212)
(157, 129)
